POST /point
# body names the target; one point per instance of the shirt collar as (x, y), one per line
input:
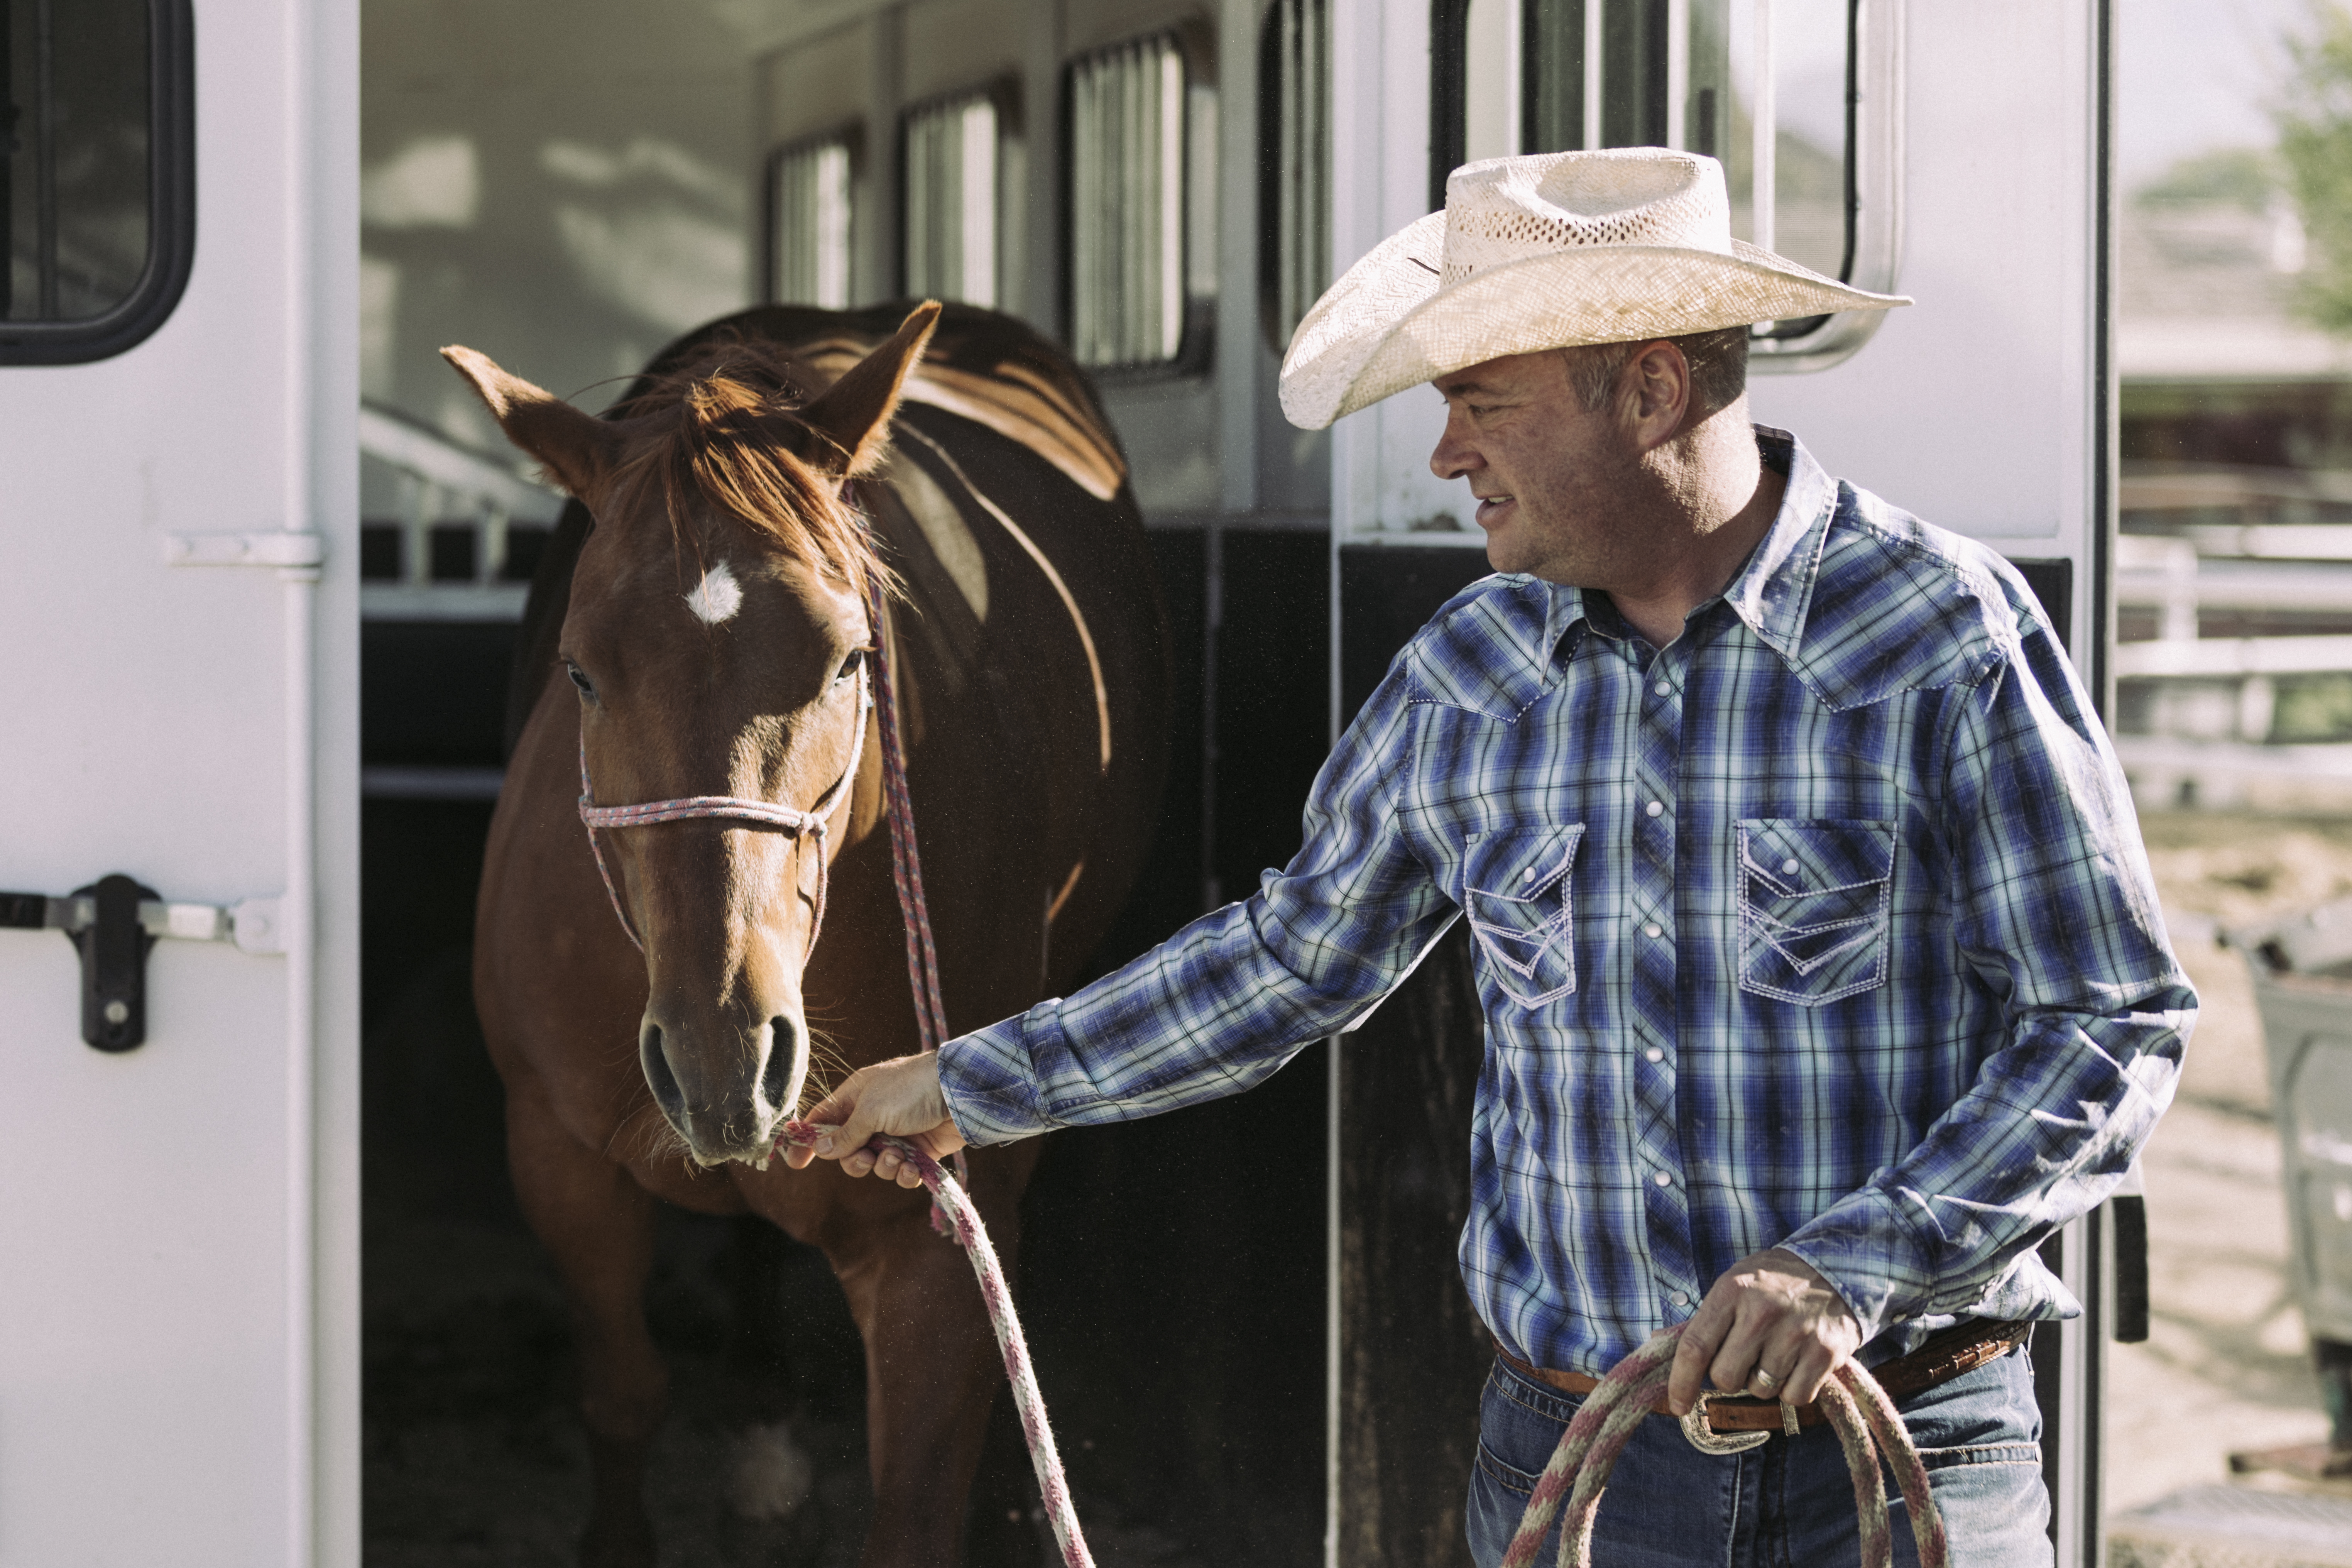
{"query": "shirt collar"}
(1774, 590)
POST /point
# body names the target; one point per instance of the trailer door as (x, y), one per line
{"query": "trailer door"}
(178, 1258)
(1965, 163)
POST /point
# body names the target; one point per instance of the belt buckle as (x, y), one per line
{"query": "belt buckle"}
(1707, 1440)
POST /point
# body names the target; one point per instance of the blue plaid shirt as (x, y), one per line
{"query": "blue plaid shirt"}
(1826, 927)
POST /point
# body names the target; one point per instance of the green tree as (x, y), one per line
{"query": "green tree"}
(2314, 125)
(2244, 177)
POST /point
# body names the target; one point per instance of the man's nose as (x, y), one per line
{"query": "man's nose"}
(1452, 456)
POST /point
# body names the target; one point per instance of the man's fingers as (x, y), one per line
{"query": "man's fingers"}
(1803, 1384)
(1736, 1359)
(1692, 1354)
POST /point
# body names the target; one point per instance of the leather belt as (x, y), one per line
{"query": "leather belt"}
(1961, 1348)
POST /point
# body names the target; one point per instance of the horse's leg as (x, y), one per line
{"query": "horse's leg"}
(598, 1224)
(931, 1369)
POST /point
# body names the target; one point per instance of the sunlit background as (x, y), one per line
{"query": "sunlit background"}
(2234, 700)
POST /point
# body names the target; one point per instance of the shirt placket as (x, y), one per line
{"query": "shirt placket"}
(1649, 903)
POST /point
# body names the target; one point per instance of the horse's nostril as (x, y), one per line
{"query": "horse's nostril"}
(783, 1067)
(659, 1076)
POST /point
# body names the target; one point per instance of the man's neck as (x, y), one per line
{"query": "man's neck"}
(1733, 484)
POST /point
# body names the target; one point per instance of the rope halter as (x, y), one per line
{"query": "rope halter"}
(803, 825)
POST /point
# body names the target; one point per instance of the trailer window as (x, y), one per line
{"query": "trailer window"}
(97, 171)
(1796, 96)
(1141, 137)
(961, 162)
(1294, 162)
(808, 222)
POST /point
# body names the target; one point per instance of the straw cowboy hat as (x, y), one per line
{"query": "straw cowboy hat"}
(1539, 252)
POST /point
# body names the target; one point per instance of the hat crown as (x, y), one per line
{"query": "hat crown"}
(1502, 210)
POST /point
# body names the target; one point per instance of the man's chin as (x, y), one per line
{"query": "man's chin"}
(1505, 553)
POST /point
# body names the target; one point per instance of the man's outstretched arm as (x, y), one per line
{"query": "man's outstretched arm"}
(1214, 1010)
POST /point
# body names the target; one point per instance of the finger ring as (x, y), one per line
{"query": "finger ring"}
(1766, 1378)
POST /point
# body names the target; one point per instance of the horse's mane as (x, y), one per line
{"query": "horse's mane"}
(717, 432)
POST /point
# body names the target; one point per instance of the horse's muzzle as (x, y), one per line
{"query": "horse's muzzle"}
(724, 1108)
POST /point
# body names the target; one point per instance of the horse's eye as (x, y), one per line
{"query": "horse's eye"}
(849, 666)
(587, 688)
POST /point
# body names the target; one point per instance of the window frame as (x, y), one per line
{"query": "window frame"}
(1003, 94)
(1195, 349)
(1873, 168)
(850, 137)
(1275, 137)
(170, 208)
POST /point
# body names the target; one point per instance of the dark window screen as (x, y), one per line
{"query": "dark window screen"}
(95, 216)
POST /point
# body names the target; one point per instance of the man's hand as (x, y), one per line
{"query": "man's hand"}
(1772, 1327)
(902, 1096)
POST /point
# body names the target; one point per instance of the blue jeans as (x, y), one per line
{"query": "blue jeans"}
(1789, 1501)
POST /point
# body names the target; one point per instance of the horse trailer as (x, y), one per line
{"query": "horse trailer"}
(234, 235)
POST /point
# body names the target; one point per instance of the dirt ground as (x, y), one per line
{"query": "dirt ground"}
(2226, 1365)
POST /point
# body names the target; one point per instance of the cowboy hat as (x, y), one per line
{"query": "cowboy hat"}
(1544, 251)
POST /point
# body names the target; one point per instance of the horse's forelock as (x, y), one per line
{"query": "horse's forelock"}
(734, 408)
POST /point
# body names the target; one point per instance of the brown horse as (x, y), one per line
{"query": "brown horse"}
(711, 643)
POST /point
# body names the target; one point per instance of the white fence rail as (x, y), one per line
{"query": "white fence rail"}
(2199, 716)
(444, 502)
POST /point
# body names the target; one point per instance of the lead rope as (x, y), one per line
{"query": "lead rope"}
(906, 861)
(1858, 1409)
(964, 1225)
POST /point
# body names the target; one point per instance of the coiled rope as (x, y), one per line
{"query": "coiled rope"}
(1858, 1409)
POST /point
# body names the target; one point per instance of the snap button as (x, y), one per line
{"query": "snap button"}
(1653, 1054)
(1680, 1298)
(1662, 689)
(1662, 1179)
(1654, 928)
(1655, 808)
(1528, 875)
(1789, 868)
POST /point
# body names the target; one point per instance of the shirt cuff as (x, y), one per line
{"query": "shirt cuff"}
(1865, 1245)
(990, 1088)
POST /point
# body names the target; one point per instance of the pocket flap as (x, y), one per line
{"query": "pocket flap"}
(1512, 881)
(1514, 892)
(1794, 856)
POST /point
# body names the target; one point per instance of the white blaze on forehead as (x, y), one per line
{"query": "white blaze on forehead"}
(717, 597)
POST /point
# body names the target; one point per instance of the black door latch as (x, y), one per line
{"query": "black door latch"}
(113, 923)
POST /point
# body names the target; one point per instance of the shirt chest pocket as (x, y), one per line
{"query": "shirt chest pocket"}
(1814, 895)
(1515, 893)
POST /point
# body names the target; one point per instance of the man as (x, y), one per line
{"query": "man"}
(1820, 966)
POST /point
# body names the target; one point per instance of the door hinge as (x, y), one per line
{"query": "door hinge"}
(284, 547)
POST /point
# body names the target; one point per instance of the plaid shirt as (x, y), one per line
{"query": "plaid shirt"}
(1826, 927)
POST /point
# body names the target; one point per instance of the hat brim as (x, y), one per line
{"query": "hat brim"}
(1389, 324)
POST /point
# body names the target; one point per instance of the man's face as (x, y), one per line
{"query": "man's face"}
(1552, 479)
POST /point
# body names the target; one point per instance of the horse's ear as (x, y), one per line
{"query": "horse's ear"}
(853, 413)
(579, 450)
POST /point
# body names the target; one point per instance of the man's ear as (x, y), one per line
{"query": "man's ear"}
(853, 413)
(1656, 390)
(577, 449)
